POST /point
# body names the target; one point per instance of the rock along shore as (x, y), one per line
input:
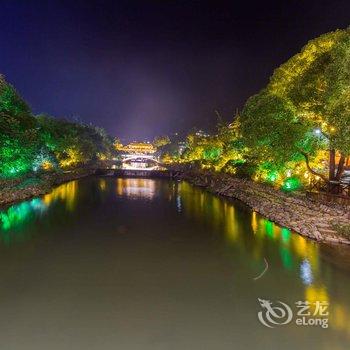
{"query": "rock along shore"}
(305, 216)
(22, 189)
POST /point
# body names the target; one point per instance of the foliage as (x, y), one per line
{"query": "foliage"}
(72, 143)
(29, 143)
(270, 128)
(303, 112)
(291, 184)
(316, 82)
(161, 141)
(11, 103)
(18, 133)
(222, 151)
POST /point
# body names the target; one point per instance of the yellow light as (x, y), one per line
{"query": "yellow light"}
(66, 192)
(101, 156)
(102, 184)
(137, 147)
(313, 294)
(254, 222)
(46, 165)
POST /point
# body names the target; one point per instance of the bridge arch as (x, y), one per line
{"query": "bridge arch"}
(131, 157)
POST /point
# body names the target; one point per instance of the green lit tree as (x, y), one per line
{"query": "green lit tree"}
(73, 143)
(316, 82)
(18, 133)
(304, 109)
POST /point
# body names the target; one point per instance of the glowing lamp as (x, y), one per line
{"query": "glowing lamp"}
(317, 131)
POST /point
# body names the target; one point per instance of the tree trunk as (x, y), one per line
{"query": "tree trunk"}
(324, 178)
(340, 169)
(331, 164)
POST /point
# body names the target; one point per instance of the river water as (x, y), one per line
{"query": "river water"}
(106, 263)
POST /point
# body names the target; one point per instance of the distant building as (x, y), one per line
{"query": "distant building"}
(137, 148)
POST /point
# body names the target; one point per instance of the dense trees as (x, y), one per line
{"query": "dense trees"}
(18, 132)
(73, 143)
(316, 82)
(296, 129)
(29, 143)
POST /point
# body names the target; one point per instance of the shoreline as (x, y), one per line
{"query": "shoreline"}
(297, 212)
(305, 216)
(24, 189)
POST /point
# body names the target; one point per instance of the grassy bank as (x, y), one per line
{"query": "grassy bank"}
(16, 190)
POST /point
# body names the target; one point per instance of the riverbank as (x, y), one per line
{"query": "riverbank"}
(16, 190)
(309, 218)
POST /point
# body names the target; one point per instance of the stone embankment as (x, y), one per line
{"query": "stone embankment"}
(22, 189)
(316, 220)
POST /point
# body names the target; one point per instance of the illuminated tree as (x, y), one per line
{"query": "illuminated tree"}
(18, 133)
(74, 144)
(161, 141)
(233, 152)
(222, 151)
(303, 111)
(317, 82)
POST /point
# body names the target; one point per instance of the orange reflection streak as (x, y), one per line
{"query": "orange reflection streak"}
(254, 222)
(231, 227)
(66, 192)
(102, 184)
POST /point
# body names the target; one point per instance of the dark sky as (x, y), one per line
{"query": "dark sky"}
(144, 68)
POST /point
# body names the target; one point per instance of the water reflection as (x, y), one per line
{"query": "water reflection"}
(136, 188)
(66, 192)
(15, 219)
(297, 268)
(222, 215)
(306, 272)
(18, 214)
(298, 256)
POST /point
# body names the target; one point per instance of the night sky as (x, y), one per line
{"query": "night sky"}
(144, 68)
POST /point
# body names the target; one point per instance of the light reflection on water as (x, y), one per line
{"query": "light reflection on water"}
(135, 188)
(66, 193)
(17, 216)
(296, 252)
(246, 235)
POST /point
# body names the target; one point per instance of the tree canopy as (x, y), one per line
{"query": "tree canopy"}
(29, 143)
(305, 107)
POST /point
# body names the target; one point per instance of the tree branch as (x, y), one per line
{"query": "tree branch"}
(306, 156)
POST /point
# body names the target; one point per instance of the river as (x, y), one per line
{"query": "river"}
(107, 263)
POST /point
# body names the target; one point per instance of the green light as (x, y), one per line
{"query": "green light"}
(17, 214)
(286, 234)
(272, 176)
(291, 184)
(212, 153)
(286, 257)
(269, 228)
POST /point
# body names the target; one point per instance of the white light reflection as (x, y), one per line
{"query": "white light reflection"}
(306, 272)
